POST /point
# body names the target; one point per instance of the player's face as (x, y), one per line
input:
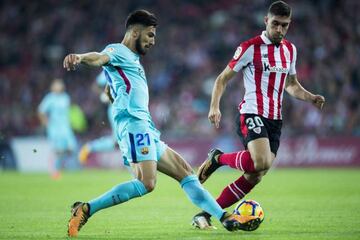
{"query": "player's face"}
(145, 40)
(276, 27)
(57, 86)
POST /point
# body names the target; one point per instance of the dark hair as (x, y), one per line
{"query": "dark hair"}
(280, 8)
(142, 17)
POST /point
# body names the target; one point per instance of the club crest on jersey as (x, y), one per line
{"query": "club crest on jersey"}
(110, 49)
(144, 150)
(257, 130)
(237, 53)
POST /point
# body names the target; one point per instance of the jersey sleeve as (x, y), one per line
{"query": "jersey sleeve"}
(292, 70)
(45, 104)
(242, 57)
(113, 53)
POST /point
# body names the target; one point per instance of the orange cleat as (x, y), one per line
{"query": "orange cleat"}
(79, 216)
(84, 154)
(56, 175)
(234, 222)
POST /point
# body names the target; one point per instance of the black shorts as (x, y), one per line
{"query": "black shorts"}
(252, 126)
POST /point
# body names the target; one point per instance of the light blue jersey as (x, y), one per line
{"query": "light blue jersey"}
(56, 107)
(127, 81)
(139, 140)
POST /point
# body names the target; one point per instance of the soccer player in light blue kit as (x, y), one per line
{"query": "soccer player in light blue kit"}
(105, 143)
(53, 112)
(139, 140)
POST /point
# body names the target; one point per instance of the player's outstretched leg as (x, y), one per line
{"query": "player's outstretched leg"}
(231, 222)
(200, 197)
(80, 213)
(210, 165)
(172, 164)
(231, 194)
(119, 194)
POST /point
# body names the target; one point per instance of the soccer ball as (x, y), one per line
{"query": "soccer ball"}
(249, 208)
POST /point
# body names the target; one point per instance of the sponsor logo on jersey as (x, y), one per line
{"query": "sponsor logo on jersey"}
(257, 130)
(237, 53)
(274, 68)
(145, 150)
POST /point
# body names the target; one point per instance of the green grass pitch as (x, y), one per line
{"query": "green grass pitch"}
(298, 204)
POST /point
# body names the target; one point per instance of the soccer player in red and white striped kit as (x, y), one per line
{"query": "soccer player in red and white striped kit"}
(268, 65)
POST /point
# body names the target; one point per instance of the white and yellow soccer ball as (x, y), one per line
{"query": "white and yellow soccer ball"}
(249, 208)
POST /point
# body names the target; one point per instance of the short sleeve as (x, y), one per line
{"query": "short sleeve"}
(242, 57)
(292, 70)
(113, 52)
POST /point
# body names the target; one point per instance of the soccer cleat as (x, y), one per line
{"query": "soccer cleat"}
(210, 165)
(202, 221)
(56, 175)
(79, 216)
(232, 222)
(84, 154)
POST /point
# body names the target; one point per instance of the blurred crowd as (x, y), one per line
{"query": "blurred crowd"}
(195, 41)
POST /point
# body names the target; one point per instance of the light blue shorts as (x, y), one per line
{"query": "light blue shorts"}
(63, 142)
(139, 141)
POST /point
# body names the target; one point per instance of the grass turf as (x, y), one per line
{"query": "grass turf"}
(298, 204)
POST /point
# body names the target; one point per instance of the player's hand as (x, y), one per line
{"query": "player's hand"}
(318, 101)
(71, 61)
(215, 116)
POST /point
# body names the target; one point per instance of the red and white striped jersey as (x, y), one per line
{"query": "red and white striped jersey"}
(265, 67)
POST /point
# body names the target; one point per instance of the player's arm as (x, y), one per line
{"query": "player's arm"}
(43, 110)
(43, 118)
(93, 59)
(294, 88)
(217, 92)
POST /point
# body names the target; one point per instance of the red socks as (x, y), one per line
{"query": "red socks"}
(234, 192)
(239, 160)
(238, 189)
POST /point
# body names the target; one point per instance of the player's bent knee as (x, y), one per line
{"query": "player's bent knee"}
(262, 163)
(149, 185)
(254, 178)
(188, 171)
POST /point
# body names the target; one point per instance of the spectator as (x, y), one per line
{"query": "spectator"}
(199, 37)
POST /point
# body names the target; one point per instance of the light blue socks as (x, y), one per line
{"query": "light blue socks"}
(135, 188)
(118, 194)
(201, 197)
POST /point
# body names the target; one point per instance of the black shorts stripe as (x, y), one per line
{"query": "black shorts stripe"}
(132, 146)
